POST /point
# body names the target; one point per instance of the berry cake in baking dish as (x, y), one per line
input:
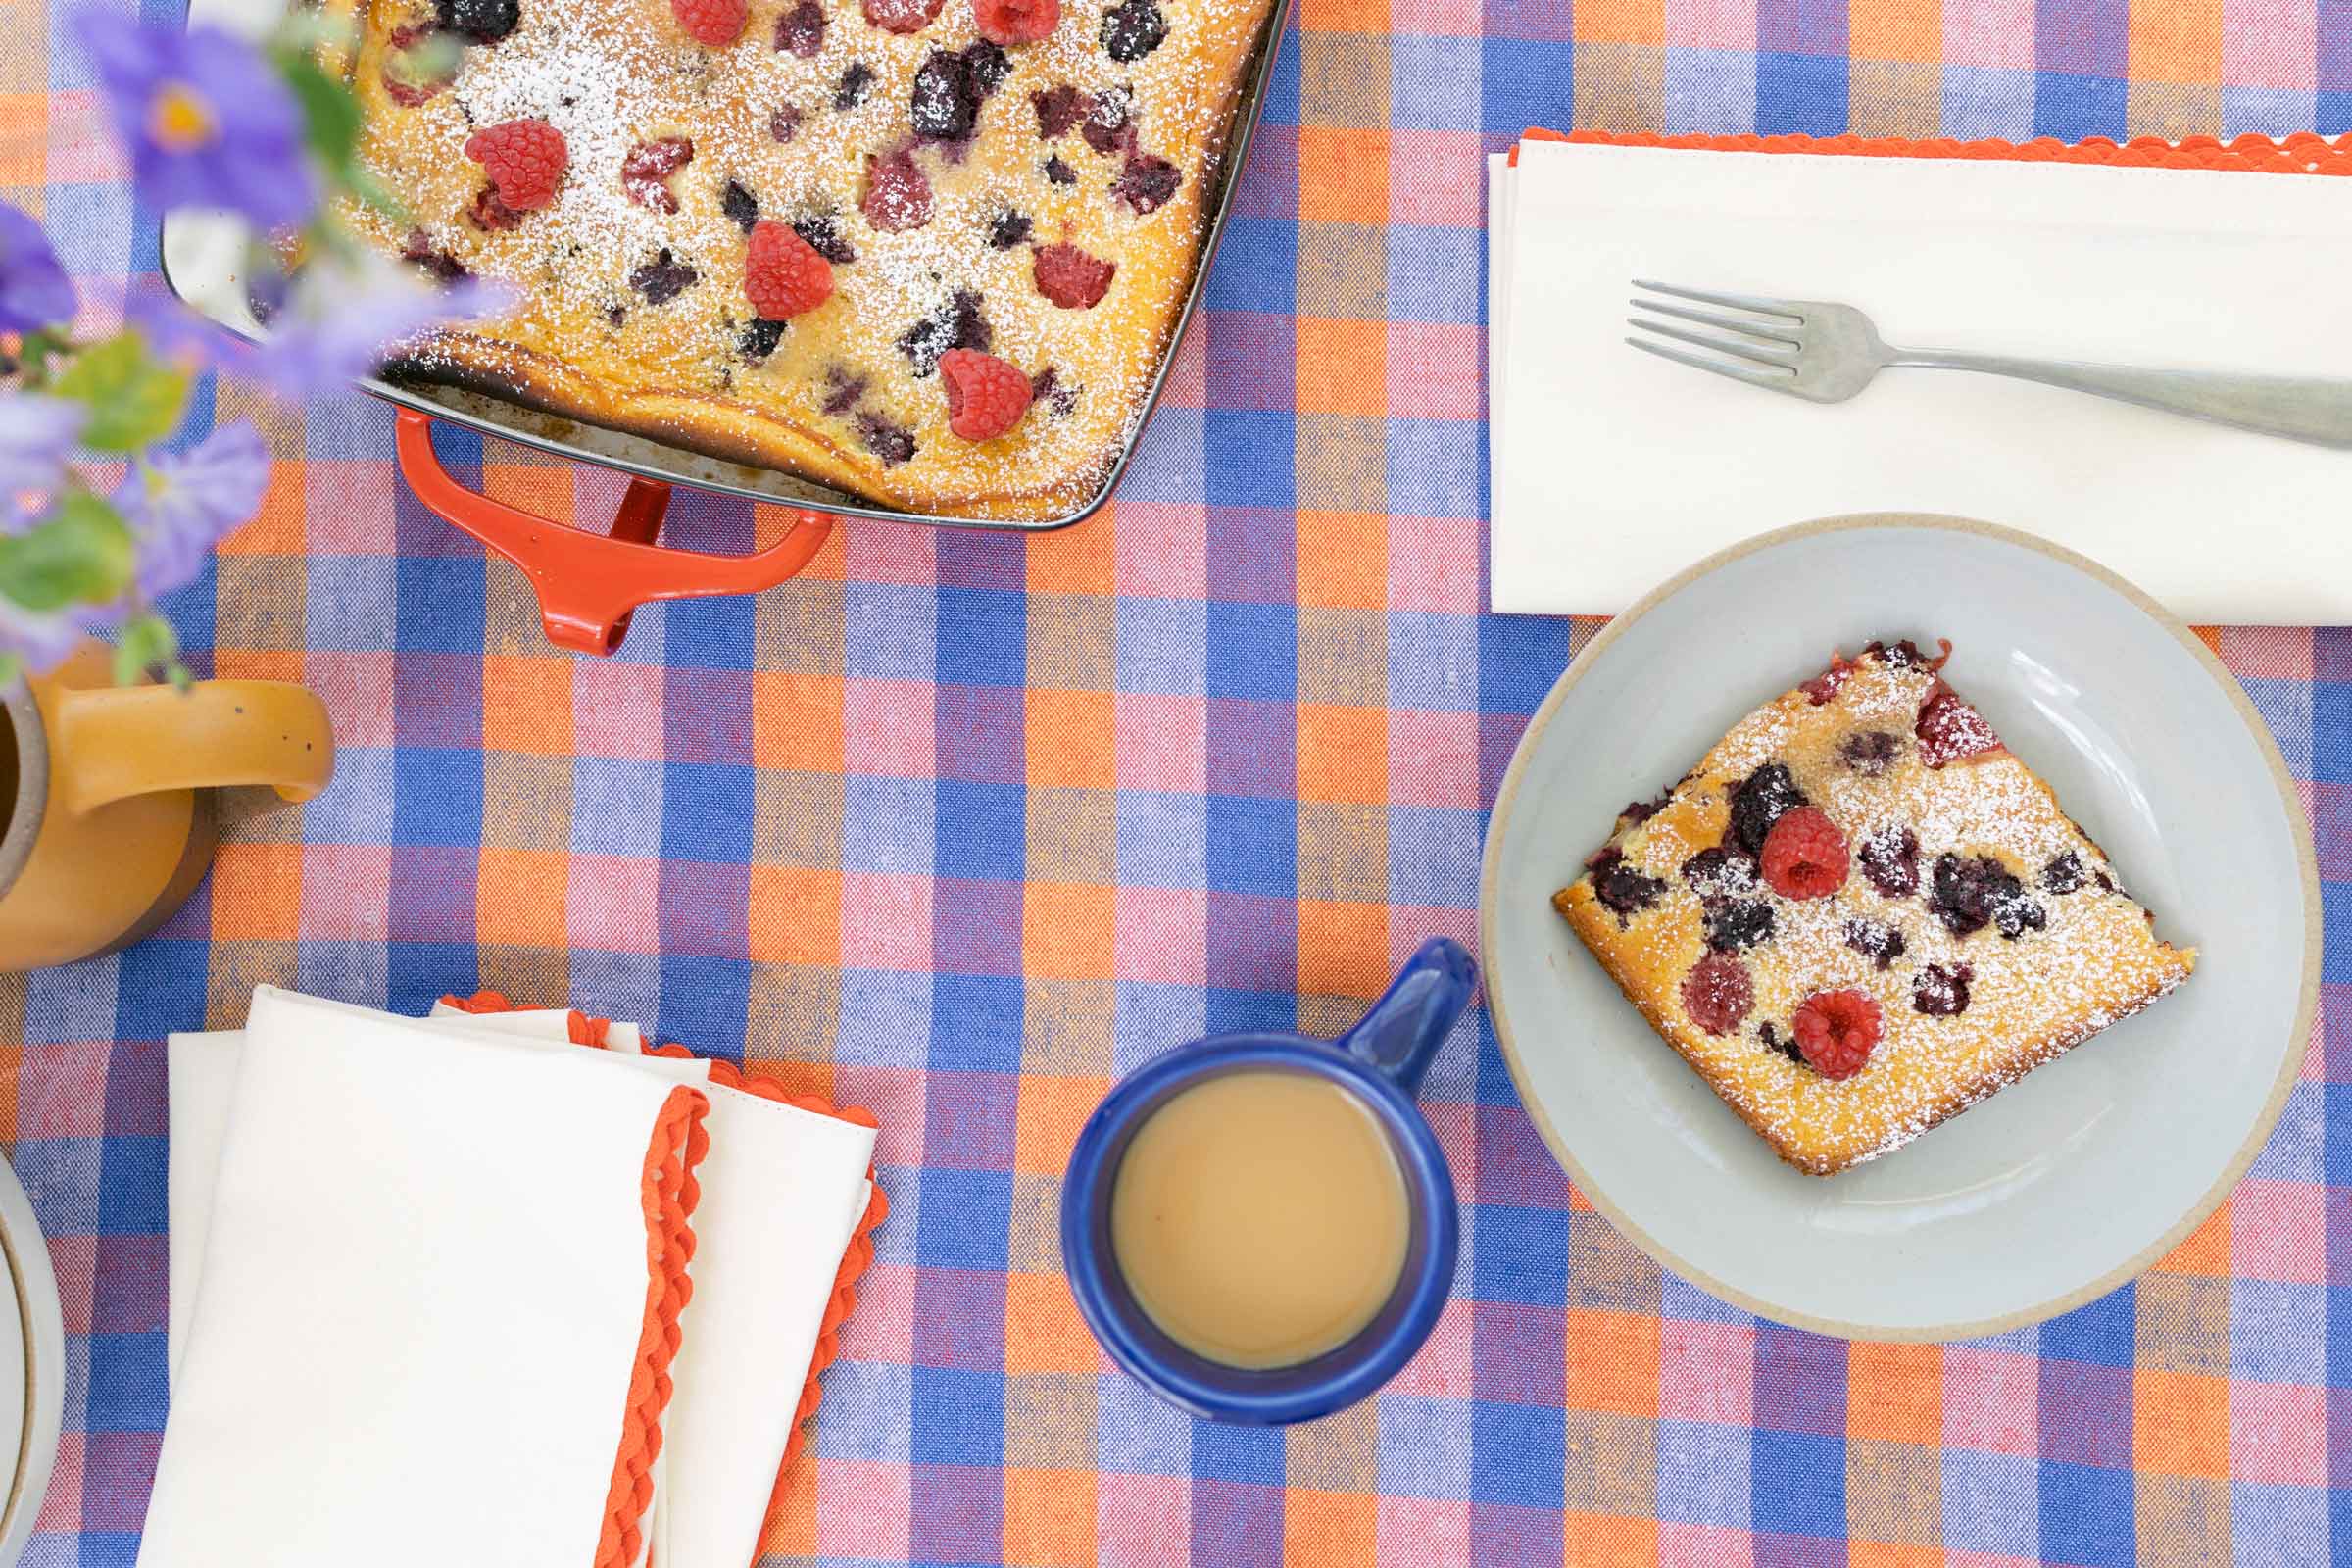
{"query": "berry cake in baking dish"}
(930, 252)
(1860, 914)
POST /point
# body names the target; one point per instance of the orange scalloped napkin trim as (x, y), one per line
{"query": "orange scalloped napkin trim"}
(678, 1145)
(586, 1030)
(2302, 153)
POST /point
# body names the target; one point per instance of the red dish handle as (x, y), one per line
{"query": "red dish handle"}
(589, 584)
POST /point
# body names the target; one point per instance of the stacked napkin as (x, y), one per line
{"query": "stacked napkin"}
(1612, 470)
(458, 1286)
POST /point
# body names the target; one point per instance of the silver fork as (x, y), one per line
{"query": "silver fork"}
(1827, 352)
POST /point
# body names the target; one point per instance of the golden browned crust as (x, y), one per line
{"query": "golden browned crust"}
(2096, 958)
(586, 342)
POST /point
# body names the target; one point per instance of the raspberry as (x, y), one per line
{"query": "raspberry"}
(1011, 22)
(901, 15)
(405, 82)
(524, 160)
(1758, 802)
(783, 275)
(896, 195)
(645, 173)
(713, 24)
(1823, 686)
(986, 396)
(1837, 1031)
(1058, 109)
(1805, 854)
(1146, 182)
(1069, 278)
(1949, 729)
(1717, 993)
(490, 214)
(1108, 125)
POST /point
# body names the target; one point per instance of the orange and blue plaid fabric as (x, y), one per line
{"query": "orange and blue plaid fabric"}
(960, 826)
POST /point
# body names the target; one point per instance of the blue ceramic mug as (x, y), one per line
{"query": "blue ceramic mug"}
(1380, 1061)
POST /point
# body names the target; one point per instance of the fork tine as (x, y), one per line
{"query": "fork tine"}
(1729, 324)
(1699, 362)
(1738, 302)
(1721, 345)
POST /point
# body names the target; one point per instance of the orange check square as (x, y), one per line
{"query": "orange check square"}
(1052, 1107)
(2180, 1422)
(1043, 1331)
(1621, 22)
(520, 898)
(1894, 30)
(276, 529)
(1343, 367)
(2203, 1250)
(1342, 754)
(1328, 1527)
(1342, 559)
(1075, 560)
(257, 893)
(1613, 1363)
(526, 704)
(1070, 736)
(1342, 175)
(1067, 930)
(1613, 1539)
(796, 722)
(1344, 16)
(795, 916)
(1895, 1393)
(1884, 1554)
(791, 1526)
(1050, 1517)
(1343, 949)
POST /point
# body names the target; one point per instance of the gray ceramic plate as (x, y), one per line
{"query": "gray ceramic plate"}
(32, 1367)
(2061, 1186)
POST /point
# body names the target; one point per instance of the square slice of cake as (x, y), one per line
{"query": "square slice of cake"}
(1860, 914)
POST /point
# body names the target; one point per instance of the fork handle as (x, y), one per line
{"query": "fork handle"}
(2312, 408)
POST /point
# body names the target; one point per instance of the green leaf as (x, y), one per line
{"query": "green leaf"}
(134, 397)
(80, 553)
(330, 115)
(147, 643)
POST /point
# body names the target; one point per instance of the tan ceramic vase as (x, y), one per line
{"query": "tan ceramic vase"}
(103, 829)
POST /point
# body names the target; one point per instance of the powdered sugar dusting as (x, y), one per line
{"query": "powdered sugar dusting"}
(2084, 953)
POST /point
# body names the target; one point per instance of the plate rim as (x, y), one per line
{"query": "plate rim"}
(2306, 865)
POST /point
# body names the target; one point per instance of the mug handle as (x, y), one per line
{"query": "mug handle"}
(122, 740)
(589, 584)
(1414, 1015)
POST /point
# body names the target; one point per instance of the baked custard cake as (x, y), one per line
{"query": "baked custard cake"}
(930, 252)
(1860, 914)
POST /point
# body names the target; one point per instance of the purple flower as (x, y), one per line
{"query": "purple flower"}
(339, 325)
(33, 291)
(41, 638)
(208, 121)
(36, 437)
(182, 502)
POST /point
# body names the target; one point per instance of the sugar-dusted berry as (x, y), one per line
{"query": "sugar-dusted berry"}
(783, 276)
(1070, 278)
(713, 24)
(901, 15)
(986, 396)
(1949, 729)
(897, 196)
(1837, 1031)
(1016, 21)
(645, 170)
(1758, 802)
(525, 159)
(1805, 854)
(1717, 993)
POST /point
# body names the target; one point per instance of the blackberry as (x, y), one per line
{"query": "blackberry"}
(420, 252)
(893, 444)
(1008, 231)
(1060, 173)
(2014, 918)
(1973, 891)
(1760, 800)
(1904, 655)
(945, 103)
(825, 238)
(740, 206)
(1870, 752)
(1635, 810)
(1146, 182)
(1942, 992)
(801, 29)
(842, 391)
(1775, 1041)
(1736, 923)
(1890, 858)
(2064, 874)
(663, 280)
(1132, 29)
(1621, 889)
(1058, 109)
(989, 66)
(615, 314)
(955, 325)
(1107, 120)
(1881, 944)
(760, 338)
(1045, 387)
(481, 20)
(1720, 873)
(849, 91)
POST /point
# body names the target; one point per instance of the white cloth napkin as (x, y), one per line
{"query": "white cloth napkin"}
(423, 1290)
(782, 1192)
(1613, 470)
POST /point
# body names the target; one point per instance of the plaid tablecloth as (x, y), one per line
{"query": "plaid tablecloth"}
(958, 827)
